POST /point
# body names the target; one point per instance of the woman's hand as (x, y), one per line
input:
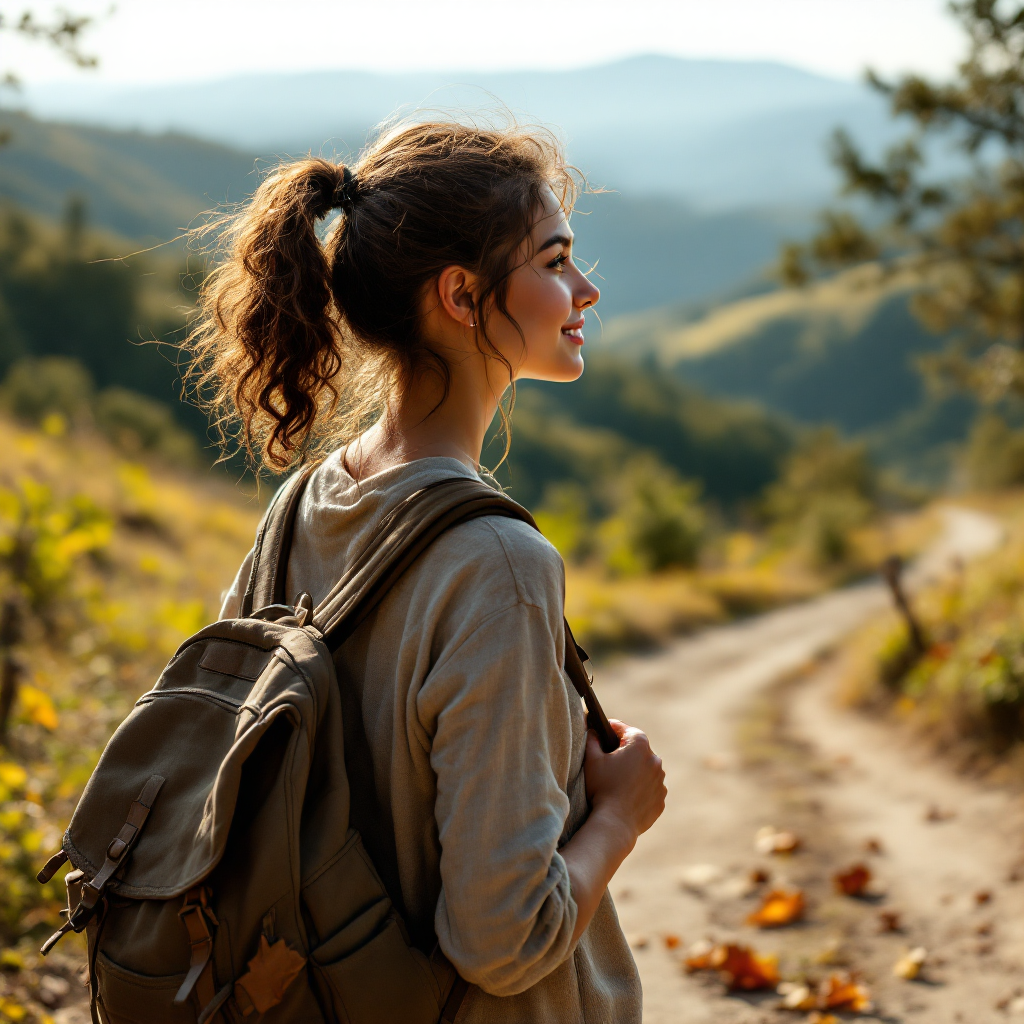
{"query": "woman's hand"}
(627, 785)
(626, 789)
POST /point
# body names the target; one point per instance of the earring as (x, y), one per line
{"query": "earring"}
(473, 324)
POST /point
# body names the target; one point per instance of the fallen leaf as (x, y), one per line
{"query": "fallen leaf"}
(841, 991)
(779, 907)
(874, 846)
(909, 965)
(796, 996)
(271, 971)
(983, 897)
(698, 956)
(672, 941)
(742, 967)
(889, 921)
(771, 840)
(853, 881)
(759, 876)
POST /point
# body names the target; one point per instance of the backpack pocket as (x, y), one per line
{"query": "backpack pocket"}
(126, 997)
(382, 981)
(365, 969)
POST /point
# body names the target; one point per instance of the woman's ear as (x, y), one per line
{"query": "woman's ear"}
(456, 289)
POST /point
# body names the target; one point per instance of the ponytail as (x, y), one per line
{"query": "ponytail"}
(269, 340)
(297, 342)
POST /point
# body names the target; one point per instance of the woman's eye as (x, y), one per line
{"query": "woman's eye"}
(559, 261)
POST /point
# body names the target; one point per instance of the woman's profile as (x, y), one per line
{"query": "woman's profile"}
(493, 819)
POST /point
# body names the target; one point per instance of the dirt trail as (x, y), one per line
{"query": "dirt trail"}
(750, 737)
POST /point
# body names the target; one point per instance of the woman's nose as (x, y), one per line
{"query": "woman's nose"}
(588, 294)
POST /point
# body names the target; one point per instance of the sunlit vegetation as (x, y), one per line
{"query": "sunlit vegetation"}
(965, 692)
(106, 565)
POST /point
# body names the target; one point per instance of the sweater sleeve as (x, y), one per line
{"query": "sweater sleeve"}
(501, 753)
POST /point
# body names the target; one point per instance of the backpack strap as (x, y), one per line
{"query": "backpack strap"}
(269, 569)
(401, 537)
(398, 540)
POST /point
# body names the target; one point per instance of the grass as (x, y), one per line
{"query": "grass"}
(965, 695)
(742, 574)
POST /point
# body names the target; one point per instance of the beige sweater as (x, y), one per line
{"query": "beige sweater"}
(466, 741)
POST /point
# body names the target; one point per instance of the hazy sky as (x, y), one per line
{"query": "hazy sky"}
(157, 40)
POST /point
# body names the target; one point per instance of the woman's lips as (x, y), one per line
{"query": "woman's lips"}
(574, 332)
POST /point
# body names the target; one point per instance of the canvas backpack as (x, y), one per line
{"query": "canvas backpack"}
(213, 866)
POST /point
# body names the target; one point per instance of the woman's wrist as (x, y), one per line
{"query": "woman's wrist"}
(620, 832)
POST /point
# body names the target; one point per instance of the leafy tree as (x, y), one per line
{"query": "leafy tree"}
(962, 238)
(827, 489)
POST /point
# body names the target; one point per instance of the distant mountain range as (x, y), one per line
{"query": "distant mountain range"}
(148, 188)
(715, 134)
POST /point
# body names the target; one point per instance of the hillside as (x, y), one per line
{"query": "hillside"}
(714, 133)
(841, 351)
(147, 188)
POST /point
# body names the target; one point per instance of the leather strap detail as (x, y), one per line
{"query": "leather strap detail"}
(197, 915)
(116, 861)
(121, 845)
(211, 1008)
(582, 681)
(454, 1001)
(52, 866)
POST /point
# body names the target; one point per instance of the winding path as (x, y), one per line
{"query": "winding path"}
(835, 778)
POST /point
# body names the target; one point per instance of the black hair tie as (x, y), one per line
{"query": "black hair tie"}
(345, 193)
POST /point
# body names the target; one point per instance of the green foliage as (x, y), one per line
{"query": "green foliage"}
(827, 490)
(62, 294)
(995, 453)
(964, 239)
(139, 425)
(56, 392)
(587, 431)
(658, 523)
(42, 537)
(35, 389)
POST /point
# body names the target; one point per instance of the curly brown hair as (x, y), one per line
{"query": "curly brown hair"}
(297, 344)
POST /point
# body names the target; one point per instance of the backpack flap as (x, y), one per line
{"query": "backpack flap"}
(230, 687)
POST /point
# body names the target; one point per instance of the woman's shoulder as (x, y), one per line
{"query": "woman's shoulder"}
(507, 558)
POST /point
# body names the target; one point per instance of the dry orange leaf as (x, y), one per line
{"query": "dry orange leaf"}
(982, 897)
(841, 991)
(909, 965)
(853, 881)
(742, 967)
(271, 971)
(672, 941)
(779, 907)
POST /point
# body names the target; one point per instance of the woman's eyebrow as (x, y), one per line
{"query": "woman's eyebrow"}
(565, 240)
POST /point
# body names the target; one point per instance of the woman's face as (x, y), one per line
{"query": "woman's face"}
(547, 296)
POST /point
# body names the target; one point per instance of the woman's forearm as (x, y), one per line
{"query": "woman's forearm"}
(592, 856)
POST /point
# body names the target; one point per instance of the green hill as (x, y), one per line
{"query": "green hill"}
(142, 187)
(147, 188)
(842, 351)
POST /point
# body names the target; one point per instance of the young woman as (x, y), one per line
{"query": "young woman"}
(495, 822)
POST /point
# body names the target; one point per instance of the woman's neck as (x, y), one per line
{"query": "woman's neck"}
(415, 426)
